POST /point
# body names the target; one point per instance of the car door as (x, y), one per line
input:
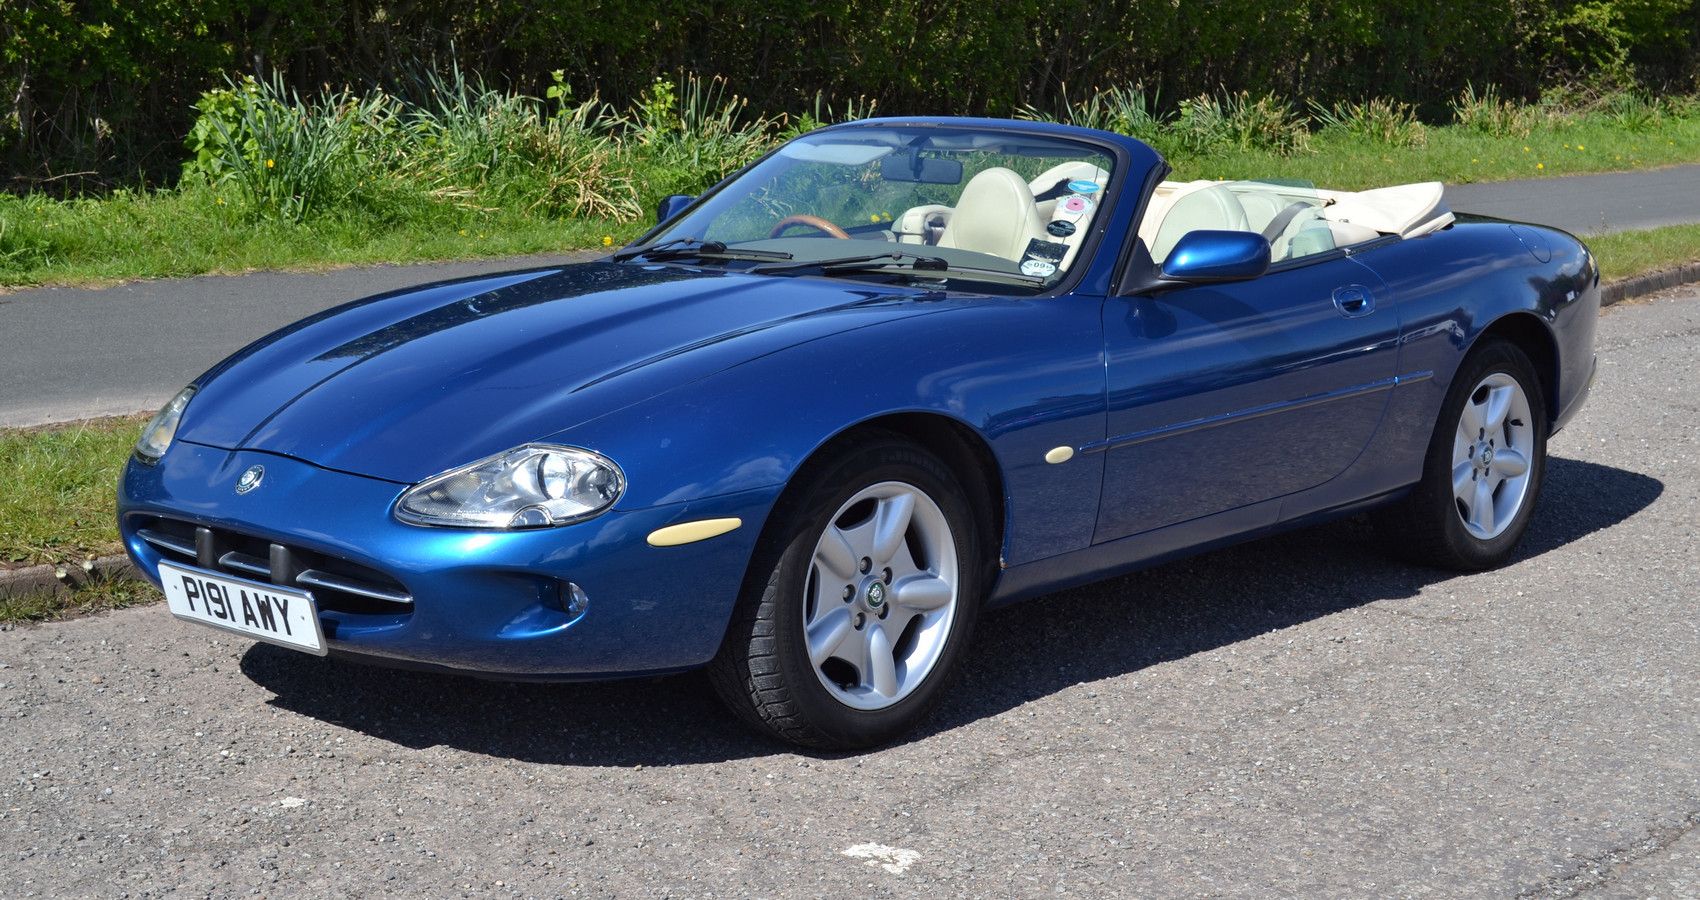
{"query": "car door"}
(1225, 395)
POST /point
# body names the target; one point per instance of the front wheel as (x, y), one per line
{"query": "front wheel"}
(1484, 466)
(859, 603)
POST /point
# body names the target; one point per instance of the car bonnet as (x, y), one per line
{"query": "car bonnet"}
(405, 385)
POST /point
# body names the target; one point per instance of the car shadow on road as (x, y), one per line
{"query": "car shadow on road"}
(1020, 654)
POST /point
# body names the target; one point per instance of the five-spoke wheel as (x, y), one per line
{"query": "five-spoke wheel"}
(1484, 465)
(860, 599)
(880, 596)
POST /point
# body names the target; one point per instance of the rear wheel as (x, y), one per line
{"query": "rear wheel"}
(859, 603)
(1484, 466)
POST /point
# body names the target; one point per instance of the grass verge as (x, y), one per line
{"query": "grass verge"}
(1457, 155)
(58, 507)
(191, 232)
(97, 596)
(1627, 254)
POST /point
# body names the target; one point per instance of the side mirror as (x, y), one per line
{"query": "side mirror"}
(1203, 257)
(671, 205)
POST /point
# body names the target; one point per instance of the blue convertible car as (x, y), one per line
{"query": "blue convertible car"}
(897, 371)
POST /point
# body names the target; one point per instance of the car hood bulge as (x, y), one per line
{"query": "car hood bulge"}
(405, 385)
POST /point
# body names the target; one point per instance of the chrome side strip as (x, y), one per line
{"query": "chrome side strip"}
(1255, 412)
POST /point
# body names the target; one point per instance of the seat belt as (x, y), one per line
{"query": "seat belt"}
(1282, 219)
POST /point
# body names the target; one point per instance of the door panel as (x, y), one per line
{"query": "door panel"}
(1224, 395)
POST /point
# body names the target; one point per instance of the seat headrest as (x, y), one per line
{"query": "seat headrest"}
(1213, 208)
(995, 215)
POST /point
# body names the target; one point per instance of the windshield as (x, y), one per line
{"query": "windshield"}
(1005, 210)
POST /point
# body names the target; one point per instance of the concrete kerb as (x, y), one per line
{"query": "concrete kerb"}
(61, 579)
(1652, 282)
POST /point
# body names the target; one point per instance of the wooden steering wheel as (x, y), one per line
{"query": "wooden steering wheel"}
(815, 222)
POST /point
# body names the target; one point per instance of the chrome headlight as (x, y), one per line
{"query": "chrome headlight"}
(162, 429)
(534, 486)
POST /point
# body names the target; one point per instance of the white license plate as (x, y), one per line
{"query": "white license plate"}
(277, 615)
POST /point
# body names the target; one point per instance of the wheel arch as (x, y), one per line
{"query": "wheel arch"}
(1529, 333)
(963, 449)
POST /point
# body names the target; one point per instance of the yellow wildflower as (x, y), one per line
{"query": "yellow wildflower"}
(463, 232)
(1525, 149)
(1580, 147)
(271, 163)
(221, 201)
(1540, 165)
(607, 240)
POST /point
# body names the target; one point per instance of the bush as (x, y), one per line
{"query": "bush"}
(1239, 121)
(1490, 114)
(1124, 110)
(1381, 120)
(682, 142)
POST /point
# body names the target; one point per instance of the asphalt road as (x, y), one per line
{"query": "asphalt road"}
(1297, 717)
(78, 353)
(73, 353)
(1590, 204)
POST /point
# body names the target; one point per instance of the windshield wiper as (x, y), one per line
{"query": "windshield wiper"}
(858, 263)
(694, 248)
(882, 263)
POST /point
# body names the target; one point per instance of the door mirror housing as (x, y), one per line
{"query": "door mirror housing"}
(671, 205)
(1207, 257)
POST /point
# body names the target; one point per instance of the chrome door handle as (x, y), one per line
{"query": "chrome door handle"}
(1354, 300)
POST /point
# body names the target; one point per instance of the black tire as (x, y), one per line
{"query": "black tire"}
(1427, 527)
(763, 671)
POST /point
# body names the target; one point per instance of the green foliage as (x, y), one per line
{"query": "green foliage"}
(1209, 123)
(1379, 120)
(1486, 112)
(110, 86)
(291, 158)
(58, 505)
(1124, 110)
(683, 140)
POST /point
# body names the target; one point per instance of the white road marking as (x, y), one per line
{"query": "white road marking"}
(895, 860)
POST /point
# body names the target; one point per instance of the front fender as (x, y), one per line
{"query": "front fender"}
(1026, 375)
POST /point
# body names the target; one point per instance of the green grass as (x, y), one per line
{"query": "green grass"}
(95, 596)
(1630, 253)
(57, 506)
(1457, 155)
(58, 501)
(189, 232)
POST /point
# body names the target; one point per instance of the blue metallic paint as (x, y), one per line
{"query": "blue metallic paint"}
(1205, 256)
(1204, 415)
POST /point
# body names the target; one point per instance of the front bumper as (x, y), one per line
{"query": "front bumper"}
(483, 602)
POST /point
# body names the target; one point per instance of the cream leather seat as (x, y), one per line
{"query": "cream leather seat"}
(1208, 208)
(994, 215)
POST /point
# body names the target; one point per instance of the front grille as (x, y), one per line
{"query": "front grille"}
(336, 584)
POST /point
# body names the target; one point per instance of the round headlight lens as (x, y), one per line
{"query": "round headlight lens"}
(534, 486)
(162, 429)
